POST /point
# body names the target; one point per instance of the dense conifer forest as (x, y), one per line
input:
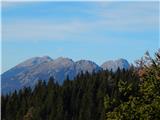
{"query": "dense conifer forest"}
(122, 95)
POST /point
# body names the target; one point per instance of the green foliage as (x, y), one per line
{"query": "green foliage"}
(124, 95)
(79, 99)
(145, 104)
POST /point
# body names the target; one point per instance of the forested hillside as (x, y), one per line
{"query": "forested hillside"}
(142, 104)
(122, 95)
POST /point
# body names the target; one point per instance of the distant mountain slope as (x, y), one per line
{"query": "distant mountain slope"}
(9, 79)
(58, 68)
(114, 65)
(30, 71)
(86, 65)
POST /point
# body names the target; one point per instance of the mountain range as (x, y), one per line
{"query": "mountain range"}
(30, 71)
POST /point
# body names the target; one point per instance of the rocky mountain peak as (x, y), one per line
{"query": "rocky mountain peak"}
(115, 64)
(30, 71)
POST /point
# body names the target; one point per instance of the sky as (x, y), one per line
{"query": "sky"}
(97, 31)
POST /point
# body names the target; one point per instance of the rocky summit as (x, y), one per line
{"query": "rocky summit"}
(30, 71)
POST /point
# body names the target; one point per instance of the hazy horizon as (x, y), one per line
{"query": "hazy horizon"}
(96, 31)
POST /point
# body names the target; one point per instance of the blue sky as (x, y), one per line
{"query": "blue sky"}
(97, 31)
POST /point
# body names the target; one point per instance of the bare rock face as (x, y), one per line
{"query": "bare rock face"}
(30, 71)
(12, 79)
(86, 65)
(114, 65)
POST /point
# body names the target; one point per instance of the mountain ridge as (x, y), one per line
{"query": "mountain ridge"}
(28, 72)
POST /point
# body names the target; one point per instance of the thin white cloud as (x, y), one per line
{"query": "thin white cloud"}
(134, 17)
(60, 31)
(29, 30)
(128, 14)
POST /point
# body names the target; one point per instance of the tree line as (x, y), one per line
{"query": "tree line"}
(122, 95)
